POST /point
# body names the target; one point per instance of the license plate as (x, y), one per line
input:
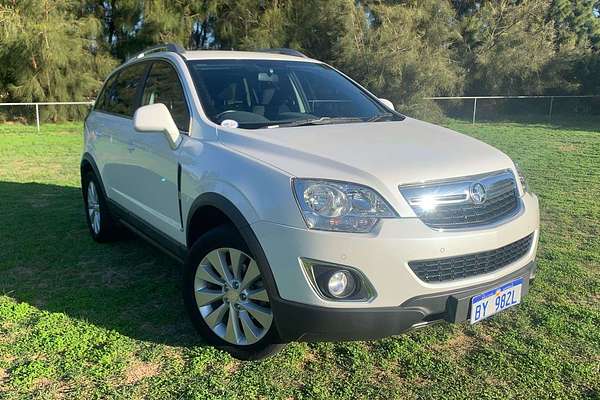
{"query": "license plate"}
(495, 300)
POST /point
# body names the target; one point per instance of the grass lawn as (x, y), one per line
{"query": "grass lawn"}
(83, 320)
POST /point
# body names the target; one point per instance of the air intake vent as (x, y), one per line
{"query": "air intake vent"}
(452, 268)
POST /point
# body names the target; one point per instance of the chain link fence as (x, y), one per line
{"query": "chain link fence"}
(519, 108)
(475, 109)
(36, 113)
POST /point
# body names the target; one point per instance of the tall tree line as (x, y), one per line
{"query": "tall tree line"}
(404, 50)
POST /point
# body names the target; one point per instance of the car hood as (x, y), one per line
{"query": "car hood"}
(378, 154)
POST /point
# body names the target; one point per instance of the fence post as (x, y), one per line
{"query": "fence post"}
(37, 116)
(474, 109)
(550, 112)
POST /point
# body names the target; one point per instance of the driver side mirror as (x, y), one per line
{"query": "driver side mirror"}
(157, 118)
(388, 104)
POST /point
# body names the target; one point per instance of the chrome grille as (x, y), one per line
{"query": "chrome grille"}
(453, 204)
(451, 268)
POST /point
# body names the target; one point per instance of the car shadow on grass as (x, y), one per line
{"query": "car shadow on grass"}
(48, 259)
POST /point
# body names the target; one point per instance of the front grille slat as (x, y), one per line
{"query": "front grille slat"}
(459, 267)
(502, 201)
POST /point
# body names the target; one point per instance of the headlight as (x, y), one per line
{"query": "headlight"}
(340, 206)
(522, 179)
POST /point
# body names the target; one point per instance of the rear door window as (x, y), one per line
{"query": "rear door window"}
(123, 96)
(163, 86)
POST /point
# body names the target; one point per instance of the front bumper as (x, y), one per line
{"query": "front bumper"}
(302, 322)
(382, 256)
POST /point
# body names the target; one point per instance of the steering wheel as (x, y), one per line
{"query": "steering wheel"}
(220, 116)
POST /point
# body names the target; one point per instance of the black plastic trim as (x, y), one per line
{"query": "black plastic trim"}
(302, 322)
(170, 246)
(179, 194)
(87, 157)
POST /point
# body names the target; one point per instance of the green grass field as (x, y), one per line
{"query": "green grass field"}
(83, 320)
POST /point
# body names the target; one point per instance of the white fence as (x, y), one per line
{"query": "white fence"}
(49, 103)
(475, 98)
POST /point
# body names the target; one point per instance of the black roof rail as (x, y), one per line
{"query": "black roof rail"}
(171, 47)
(284, 51)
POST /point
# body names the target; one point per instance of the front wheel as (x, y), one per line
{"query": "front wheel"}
(227, 297)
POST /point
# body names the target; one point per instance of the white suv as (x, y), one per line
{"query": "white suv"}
(303, 207)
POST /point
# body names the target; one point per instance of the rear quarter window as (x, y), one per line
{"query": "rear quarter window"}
(101, 101)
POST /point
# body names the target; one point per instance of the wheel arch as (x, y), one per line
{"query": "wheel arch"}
(89, 165)
(224, 211)
(209, 210)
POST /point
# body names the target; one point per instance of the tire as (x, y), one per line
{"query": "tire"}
(100, 222)
(226, 296)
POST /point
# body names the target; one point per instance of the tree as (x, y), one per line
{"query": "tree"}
(577, 24)
(402, 51)
(49, 52)
(505, 46)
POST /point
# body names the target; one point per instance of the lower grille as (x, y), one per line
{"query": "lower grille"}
(452, 268)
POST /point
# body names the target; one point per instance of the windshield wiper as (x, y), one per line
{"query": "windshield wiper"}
(317, 121)
(381, 117)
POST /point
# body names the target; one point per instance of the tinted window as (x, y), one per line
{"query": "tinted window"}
(163, 86)
(123, 95)
(101, 101)
(259, 93)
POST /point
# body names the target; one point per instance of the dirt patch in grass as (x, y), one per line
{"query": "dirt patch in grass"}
(139, 370)
(42, 383)
(232, 367)
(3, 380)
(567, 148)
(458, 345)
(309, 357)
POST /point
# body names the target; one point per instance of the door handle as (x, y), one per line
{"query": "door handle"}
(130, 147)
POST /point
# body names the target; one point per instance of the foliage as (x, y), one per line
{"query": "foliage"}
(576, 23)
(48, 52)
(400, 49)
(506, 46)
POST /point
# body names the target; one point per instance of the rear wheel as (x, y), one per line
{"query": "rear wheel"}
(100, 222)
(227, 297)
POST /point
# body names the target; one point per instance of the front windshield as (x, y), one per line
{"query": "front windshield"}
(255, 94)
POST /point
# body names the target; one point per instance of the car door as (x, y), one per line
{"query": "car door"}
(155, 185)
(114, 125)
(98, 126)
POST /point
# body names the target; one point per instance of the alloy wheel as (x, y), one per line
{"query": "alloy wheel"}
(231, 296)
(93, 207)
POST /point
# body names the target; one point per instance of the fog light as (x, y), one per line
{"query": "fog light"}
(338, 282)
(341, 284)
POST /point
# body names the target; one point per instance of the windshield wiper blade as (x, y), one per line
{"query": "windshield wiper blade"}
(317, 121)
(380, 117)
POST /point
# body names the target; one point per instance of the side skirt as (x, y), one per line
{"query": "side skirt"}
(156, 238)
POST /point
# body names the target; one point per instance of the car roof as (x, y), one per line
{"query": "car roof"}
(241, 55)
